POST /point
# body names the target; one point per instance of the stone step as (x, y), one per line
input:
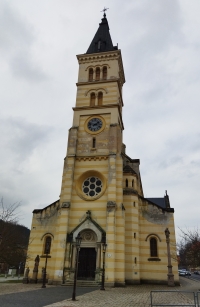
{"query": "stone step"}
(82, 283)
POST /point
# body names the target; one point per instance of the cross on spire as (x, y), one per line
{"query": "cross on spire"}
(104, 10)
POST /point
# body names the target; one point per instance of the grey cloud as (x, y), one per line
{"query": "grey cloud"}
(15, 33)
(21, 138)
(16, 40)
(23, 67)
(171, 162)
(196, 164)
(161, 23)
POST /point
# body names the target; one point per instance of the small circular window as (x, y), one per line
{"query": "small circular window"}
(92, 186)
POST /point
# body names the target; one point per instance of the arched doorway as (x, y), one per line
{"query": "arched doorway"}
(87, 255)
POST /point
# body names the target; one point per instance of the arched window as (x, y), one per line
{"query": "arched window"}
(91, 74)
(92, 99)
(104, 72)
(100, 99)
(132, 183)
(126, 183)
(47, 247)
(153, 247)
(97, 74)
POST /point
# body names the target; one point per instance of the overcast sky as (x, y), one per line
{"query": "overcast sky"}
(160, 44)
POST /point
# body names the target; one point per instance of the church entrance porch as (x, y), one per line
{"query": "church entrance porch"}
(87, 264)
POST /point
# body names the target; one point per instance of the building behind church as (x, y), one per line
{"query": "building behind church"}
(101, 193)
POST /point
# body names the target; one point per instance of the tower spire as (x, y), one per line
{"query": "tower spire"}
(102, 41)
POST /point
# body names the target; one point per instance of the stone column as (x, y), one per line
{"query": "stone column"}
(98, 262)
(110, 240)
(170, 274)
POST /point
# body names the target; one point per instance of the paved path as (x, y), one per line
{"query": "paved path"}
(134, 296)
(32, 295)
(26, 297)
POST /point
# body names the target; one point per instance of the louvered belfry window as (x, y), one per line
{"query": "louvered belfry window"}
(97, 74)
(92, 99)
(91, 74)
(100, 98)
(105, 73)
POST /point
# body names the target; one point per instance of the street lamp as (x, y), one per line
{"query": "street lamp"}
(78, 244)
(47, 251)
(170, 274)
(104, 245)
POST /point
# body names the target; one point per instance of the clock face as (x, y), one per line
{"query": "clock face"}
(95, 124)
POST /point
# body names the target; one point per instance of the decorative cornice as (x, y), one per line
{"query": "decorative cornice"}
(92, 158)
(112, 79)
(106, 106)
(98, 57)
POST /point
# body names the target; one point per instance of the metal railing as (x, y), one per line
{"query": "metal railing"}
(174, 298)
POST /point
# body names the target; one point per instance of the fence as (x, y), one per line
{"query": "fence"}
(174, 298)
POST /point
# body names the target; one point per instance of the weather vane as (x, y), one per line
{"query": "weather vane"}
(104, 10)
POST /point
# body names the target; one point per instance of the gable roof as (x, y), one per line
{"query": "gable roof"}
(129, 170)
(159, 201)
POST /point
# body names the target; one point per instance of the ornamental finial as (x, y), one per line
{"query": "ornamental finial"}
(104, 10)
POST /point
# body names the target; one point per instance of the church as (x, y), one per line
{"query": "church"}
(101, 194)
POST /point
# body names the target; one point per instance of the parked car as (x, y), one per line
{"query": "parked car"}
(188, 273)
(196, 272)
(182, 272)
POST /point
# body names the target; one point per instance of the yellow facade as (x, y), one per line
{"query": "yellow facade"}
(101, 193)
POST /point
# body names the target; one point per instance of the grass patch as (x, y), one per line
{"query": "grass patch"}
(15, 281)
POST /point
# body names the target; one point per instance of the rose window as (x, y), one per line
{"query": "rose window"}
(92, 186)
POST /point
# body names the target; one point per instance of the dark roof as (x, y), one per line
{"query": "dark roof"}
(102, 41)
(158, 201)
(128, 169)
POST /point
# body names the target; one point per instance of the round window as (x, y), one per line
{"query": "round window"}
(92, 186)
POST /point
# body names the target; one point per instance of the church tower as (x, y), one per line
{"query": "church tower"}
(92, 176)
(101, 193)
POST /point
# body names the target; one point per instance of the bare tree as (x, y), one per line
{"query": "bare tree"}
(9, 213)
(13, 237)
(189, 248)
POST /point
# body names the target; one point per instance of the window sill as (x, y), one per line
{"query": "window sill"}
(154, 259)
